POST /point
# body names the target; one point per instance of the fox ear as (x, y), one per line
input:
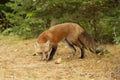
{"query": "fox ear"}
(36, 44)
(48, 43)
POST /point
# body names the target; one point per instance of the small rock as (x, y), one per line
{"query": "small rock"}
(58, 61)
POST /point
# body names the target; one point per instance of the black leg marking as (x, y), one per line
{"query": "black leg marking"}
(81, 46)
(52, 53)
(82, 53)
(71, 46)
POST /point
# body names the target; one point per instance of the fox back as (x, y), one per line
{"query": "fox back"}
(58, 32)
(48, 40)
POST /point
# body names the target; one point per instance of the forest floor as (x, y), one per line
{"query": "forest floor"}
(18, 63)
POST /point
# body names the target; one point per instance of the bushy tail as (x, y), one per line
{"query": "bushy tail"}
(87, 42)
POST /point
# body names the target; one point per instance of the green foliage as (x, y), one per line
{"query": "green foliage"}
(3, 21)
(99, 17)
(20, 19)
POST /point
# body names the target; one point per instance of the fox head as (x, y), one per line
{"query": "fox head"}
(43, 50)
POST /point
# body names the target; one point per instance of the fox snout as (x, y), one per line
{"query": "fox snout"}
(43, 56)
(43, 50)
(46, 55)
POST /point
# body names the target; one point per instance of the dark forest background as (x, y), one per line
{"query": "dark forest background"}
(28, 18)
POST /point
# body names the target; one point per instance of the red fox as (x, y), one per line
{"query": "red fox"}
(72, 33)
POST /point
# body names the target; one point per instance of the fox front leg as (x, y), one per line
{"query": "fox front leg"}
(43, 56)
(48, 54)
(71, 46)
(52, 53)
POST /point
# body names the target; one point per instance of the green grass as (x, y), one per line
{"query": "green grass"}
(10, 39)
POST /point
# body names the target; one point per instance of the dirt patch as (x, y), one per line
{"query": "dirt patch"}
(17, 63)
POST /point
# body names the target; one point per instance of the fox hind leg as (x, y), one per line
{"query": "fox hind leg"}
(71, 46)
(81, 47)
(82, 53)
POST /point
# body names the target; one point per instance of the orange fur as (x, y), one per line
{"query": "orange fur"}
(71, 32)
